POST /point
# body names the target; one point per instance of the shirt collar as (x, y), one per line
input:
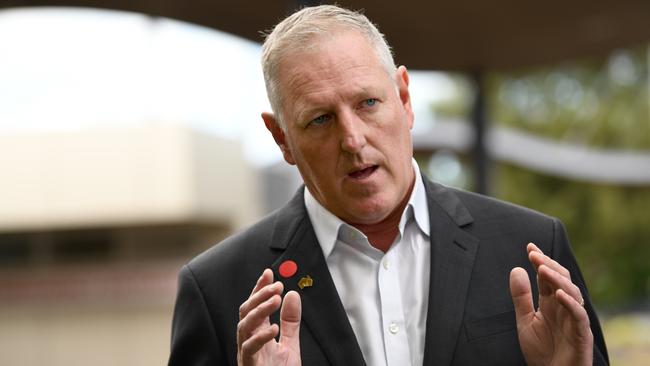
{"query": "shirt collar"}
(326, 225)
(418, 201)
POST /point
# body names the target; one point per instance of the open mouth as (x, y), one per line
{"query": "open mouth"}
(363, 173)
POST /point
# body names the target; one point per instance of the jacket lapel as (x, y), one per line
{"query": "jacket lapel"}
(452, 259)
(322, 311)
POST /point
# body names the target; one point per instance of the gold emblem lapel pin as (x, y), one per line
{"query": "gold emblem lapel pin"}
(306, 281)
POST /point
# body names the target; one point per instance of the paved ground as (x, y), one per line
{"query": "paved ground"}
(628, 339)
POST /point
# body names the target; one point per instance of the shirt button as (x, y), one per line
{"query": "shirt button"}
(385, 263)
(393, 328)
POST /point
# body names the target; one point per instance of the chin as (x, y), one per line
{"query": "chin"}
(370, 215)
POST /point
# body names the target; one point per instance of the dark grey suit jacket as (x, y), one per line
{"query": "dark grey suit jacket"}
(475, 242)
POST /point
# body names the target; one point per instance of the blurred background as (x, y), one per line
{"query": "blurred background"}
(130, 142)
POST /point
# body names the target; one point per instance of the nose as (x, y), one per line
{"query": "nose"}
(353, 137)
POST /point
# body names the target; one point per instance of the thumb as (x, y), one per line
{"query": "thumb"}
(522, 296)
(290, 314)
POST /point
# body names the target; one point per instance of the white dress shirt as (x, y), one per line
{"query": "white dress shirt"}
(385, 295)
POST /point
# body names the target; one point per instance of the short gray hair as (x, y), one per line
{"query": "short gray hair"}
(295, 31)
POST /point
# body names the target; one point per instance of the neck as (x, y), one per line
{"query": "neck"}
(382, 234)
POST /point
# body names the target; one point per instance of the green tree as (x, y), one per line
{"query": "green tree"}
(595, 103)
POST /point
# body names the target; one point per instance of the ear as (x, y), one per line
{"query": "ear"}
(279, 136)
(402, 81)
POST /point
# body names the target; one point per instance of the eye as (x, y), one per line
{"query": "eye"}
(319, 120)
(370, 102)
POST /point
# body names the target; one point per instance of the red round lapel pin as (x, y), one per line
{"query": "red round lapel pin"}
(288, 268)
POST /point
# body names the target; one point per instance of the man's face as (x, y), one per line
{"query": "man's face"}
(347, 127)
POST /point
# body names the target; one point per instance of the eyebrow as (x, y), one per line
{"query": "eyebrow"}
(360, 93)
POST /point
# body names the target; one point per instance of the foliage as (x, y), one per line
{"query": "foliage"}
(608, 226)
(601, 103)
(594, 103)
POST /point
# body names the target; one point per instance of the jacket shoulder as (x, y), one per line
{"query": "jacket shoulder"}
(253, 239)
(504, 225)
(481, 206)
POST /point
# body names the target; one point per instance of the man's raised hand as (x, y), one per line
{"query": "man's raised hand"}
(256, 344)
(558, 332)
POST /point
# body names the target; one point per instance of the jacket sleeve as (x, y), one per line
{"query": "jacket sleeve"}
(563, 254)
(194, 340)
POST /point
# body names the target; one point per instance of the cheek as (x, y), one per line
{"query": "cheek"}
(315, 158)
(397, 131)
(397, 140)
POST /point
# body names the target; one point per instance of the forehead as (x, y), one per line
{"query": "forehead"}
(336, 63)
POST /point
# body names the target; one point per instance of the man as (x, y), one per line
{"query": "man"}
(371, 263)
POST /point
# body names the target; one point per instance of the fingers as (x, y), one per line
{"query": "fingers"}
(260, 294)
(551, 275)
(253, 344)
(522, 296)
(574, 308)
(290, 319)
(265, 279)
(550, 278)
(537, 258)
(257, 316)
(254, 329)
(578, 314)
